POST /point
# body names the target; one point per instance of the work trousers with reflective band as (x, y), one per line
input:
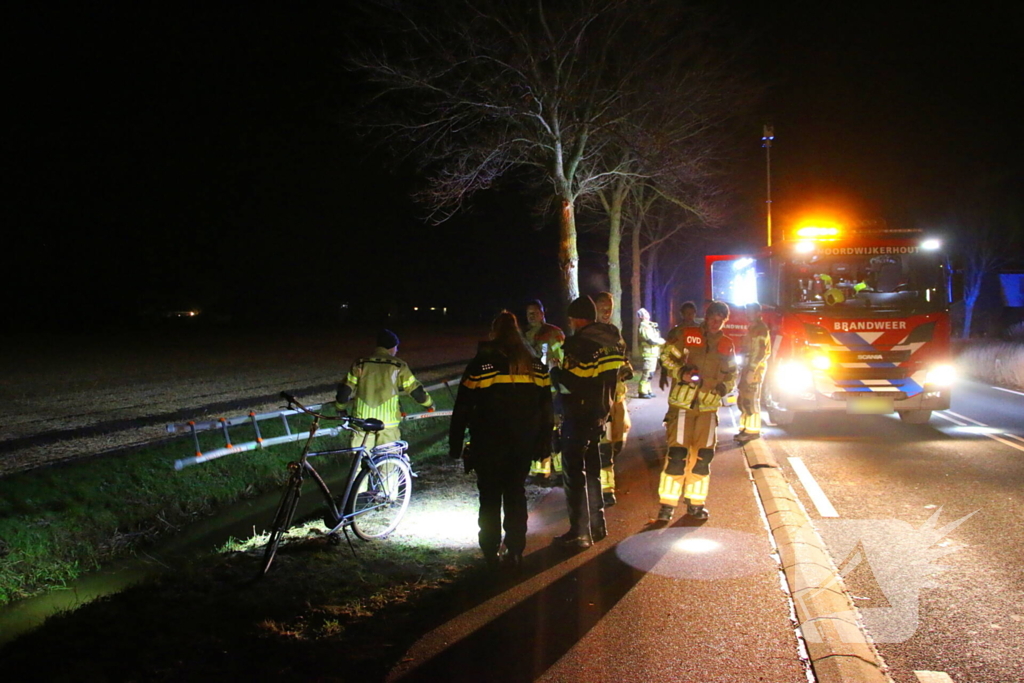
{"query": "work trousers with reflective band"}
(582, 459)
(612, 442)
(749, 401)
(553, 463)
(500, 483)
(386, 435)
(691, 436)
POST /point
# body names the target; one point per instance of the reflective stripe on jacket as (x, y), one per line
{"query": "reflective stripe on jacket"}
(374, 384)
(711, 356)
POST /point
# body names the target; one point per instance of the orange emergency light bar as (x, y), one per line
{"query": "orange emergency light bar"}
(817, 232)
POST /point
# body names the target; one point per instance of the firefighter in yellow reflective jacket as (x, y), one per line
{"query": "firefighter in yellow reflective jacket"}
(702, 364)
(373, 385)
(546, 340)
(650, 348)
(617, 428)
(757, 346)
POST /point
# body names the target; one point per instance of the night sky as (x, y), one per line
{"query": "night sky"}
(166, 156)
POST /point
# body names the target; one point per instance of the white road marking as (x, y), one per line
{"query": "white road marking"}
(964, 417)
(818, 497)
(933, 677)
(1002, 437)
(1010, 391)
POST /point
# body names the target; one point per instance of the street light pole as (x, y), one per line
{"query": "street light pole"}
(766, 142)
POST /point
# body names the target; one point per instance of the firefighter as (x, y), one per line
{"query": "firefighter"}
(756, 346)
(687, 318)
(586, 378)
(505, 401)
(650, 348)
(546, 340)
(703, 368)
(373, 385)
(617, 428)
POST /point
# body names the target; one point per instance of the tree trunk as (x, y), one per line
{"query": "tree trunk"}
(568, 255)
(614, 256)
(972, 288)
(634, 283)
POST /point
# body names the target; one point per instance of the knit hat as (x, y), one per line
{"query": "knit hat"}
(386, 339)
(583, 308)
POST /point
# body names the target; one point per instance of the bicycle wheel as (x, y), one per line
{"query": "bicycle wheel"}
(282, 520)
(379, 501)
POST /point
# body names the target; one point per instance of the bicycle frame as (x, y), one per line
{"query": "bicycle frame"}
(364, 457)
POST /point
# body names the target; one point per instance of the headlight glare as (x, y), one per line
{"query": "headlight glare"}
(940, 375)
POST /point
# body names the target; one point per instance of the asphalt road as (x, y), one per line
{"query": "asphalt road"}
(688, 602)
(927, 528)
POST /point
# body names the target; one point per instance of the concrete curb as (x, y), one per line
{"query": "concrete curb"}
(839, 649)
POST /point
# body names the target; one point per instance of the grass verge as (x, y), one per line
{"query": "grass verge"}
(60, 521)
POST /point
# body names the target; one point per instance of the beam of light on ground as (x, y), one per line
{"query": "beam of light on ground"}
(704, 554)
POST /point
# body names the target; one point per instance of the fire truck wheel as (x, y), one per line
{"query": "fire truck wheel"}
(915, 417)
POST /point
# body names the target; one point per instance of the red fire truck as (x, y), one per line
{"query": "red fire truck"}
(859, 320)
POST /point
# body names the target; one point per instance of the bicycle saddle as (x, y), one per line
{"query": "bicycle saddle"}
(369, 424)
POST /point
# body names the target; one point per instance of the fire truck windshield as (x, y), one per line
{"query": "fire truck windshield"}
(874, 280)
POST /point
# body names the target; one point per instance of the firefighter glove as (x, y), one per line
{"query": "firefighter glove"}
(721, 389)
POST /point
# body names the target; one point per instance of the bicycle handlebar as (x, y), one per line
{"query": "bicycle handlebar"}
(347, 422)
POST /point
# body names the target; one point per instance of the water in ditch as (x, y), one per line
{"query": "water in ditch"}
(240, 520)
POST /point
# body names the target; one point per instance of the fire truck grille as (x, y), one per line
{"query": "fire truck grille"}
(840, 374)
(846, 356)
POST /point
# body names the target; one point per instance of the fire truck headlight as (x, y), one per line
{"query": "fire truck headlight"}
(821, 362)
(940, 375)
(795, 378)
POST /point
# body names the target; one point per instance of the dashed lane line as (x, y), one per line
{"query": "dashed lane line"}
(818, 497)
(964, 421)
(1009, 391)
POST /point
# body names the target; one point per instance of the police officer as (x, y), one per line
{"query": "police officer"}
(546, 341)
(505, 401)
(650, 348)
(617, 428)
(703, 368)
(757, 346)
(373, 385)
(593, 356)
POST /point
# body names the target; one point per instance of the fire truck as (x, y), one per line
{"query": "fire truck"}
(859, 320)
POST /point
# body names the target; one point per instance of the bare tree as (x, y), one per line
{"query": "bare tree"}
(672, 143)
(475, 88)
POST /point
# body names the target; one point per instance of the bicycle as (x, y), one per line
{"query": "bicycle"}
(377, 488)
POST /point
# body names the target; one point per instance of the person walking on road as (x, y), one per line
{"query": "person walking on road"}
(756, 347)
(650, 348)
(586, 379)
(546, 340)
(703, 368)
(374, 384)
(505, 401)
(617, 428)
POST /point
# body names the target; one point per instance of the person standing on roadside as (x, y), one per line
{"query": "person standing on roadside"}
(687, 318)
(505, 401)
(546, 340)
(586, 378)
(650, 348)
(703, 368)
(617, 428)
(374, 384)
(756, 347)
